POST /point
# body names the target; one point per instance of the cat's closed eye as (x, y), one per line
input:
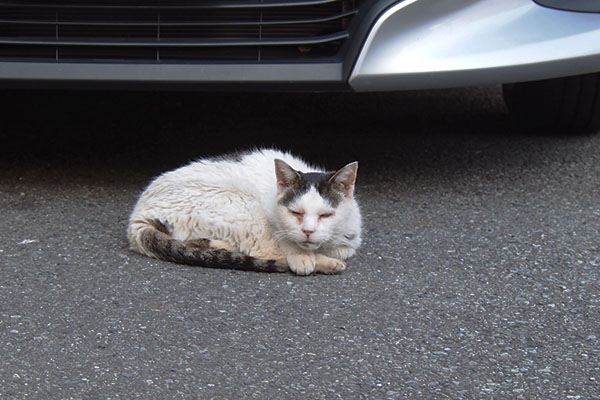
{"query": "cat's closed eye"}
(327, 215)
(298, 214)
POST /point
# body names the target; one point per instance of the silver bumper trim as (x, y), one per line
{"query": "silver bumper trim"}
(419, 44)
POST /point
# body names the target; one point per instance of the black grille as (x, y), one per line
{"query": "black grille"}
(174, 31)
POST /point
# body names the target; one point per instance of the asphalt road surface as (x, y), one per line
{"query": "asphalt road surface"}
(477, 279)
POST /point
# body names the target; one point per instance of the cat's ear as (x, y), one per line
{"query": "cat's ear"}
(286, 175)
(344, 179)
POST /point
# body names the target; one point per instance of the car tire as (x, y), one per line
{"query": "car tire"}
(561, 105)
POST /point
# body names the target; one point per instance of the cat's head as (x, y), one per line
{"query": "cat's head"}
(313, 208)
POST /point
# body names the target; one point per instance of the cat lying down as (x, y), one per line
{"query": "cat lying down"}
(264, 210)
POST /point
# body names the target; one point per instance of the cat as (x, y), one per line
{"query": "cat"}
(264, 210)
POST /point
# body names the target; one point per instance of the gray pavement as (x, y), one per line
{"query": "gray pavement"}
(478, 277)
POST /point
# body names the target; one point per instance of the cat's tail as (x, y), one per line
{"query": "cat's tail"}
(152, 238)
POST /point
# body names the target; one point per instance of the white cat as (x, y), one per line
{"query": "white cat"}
(263, 211)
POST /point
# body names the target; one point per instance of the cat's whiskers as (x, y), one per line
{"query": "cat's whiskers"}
(282, 234)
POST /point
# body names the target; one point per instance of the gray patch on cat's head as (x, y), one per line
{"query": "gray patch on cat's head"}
(294, 190)
(329, 191)
(319, 180)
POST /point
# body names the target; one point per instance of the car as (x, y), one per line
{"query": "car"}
(545, 53)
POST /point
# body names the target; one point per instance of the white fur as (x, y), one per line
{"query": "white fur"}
(235, 204)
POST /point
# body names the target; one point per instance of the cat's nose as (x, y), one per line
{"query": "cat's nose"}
(308, 232)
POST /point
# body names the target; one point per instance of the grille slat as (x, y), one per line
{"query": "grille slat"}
(182, 23)
(163, 5)
(160, 31)
(179, 43)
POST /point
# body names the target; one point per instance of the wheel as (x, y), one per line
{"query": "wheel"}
(565, 105)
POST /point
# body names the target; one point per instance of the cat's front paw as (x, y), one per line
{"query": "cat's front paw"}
(327, 265)
(301, 264)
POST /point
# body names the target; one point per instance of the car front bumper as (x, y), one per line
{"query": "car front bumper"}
(411, 44)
